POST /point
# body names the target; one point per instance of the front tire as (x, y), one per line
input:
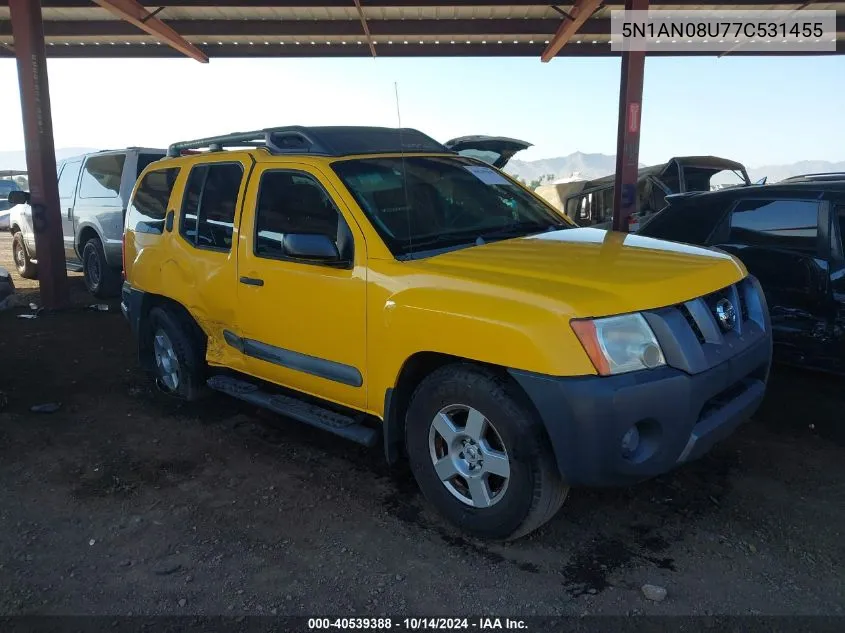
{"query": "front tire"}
(101, 279)
(479, 455)
(25, 267)
(177, 357)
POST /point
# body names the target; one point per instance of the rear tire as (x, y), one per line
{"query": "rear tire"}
(495, 475)
(177, 356)
(24, 265)
(101, 279)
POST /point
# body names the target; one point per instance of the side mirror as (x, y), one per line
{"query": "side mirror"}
(762, 181)
(18, 197)
(310, 246)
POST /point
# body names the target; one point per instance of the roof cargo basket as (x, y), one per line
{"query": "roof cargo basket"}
(321, 141)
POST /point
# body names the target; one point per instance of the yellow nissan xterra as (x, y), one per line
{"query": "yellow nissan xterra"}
(375, 284)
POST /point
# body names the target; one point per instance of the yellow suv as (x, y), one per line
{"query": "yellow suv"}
(372, 283)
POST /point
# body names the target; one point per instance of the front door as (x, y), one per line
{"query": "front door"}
(67, 194)
(302, 320)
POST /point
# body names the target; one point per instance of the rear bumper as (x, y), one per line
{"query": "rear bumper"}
(679, 416)
(131, 300)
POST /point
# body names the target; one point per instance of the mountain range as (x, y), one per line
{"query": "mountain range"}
(583, 166)
(577, 166)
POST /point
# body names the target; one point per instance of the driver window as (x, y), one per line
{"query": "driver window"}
(208, 208)
(294, 202)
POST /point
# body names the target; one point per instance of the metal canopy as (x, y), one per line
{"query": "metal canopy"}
(205, 29)
(349, 28)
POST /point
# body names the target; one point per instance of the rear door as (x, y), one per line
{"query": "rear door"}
(68, 177)
(202, 268)
(495, 150)
(785, 243)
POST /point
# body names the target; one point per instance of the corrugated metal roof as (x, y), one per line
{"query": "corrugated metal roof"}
(226, 28)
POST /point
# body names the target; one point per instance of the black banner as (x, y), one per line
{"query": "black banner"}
(532, 624)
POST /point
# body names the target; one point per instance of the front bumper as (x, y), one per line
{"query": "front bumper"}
(679, 413)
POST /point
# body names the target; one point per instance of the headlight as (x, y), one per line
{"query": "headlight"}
(619, 344)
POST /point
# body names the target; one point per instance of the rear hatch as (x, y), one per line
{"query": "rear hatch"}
(495, 150)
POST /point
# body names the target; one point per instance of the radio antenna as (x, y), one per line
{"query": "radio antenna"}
(404, 167)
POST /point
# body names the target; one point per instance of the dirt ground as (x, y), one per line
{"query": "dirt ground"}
(127, 502)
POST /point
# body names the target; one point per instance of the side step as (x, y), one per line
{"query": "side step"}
(305, 412)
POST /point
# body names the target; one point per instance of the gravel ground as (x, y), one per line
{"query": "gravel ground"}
(126, 501)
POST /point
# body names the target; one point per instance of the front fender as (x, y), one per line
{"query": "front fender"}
(477, 326)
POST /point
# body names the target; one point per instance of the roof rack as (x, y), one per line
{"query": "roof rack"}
(828, 175)
(323, 141)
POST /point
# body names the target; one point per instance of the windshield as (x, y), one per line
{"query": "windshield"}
(421, 203)
(6, 186)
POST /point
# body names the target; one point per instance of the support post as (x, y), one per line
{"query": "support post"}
(628, 132)
(28, 32)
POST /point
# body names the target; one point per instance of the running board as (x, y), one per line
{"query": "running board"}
(311, 414)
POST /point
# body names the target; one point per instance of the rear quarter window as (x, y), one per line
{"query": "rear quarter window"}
(686, 221)
(144, 159)
(148, 207)
(786, 224)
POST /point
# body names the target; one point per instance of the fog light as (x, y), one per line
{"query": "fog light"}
(630, 442)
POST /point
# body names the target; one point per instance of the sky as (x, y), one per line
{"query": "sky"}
(760, 111)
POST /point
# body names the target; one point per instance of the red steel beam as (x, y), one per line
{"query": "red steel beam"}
(579, 14)
(136, 14)
(28, 31)
(628, 132)
(365, 27)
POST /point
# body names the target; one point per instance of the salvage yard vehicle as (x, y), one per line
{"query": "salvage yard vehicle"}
(372, 283)
(7, 185)
(495, 150)
(590, 202)
(790, 236)
(94, 190)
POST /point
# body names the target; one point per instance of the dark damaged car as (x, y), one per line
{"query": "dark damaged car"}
(790, 237)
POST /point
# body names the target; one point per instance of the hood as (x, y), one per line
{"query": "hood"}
(495, 150)
(589, 272)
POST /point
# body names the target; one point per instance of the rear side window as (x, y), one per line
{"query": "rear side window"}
(146, 159)
(208, 209)
(149, 205)
(789, 224)
(686, 221)
(68, 178)
(101, 176)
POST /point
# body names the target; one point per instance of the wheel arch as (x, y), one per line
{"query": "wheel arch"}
(150, 301)
(414, 370)
(86, 232)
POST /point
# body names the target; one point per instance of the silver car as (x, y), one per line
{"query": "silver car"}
(94, 190)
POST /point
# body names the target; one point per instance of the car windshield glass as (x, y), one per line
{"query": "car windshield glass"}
(421, 203)
(6, 186)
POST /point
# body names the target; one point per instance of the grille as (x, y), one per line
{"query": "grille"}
(689, 319)
(743, 306)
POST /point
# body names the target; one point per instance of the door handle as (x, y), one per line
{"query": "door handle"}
(69, 212)
(252, 281)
